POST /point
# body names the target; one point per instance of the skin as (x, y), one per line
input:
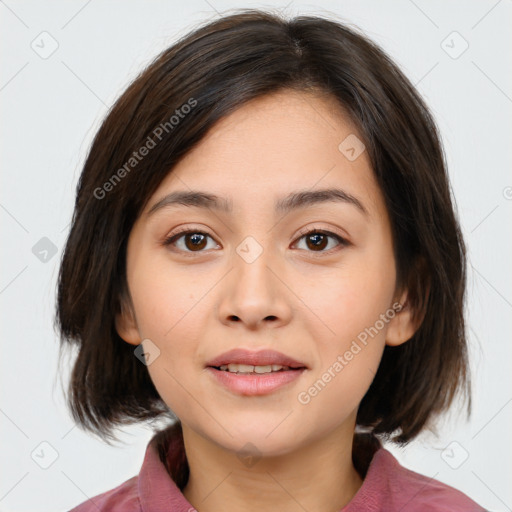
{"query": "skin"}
(309, 303)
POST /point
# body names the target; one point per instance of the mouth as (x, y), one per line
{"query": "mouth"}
(248, 369)
(255, 373)
(241, 360)
(254, 383)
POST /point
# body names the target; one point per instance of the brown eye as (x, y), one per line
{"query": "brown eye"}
(317, 240)
(193, 241)
(189, 241)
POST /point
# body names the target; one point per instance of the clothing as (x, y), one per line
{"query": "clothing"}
(387, 486)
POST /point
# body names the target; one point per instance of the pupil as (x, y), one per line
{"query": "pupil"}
(198, 240)
(320, 240)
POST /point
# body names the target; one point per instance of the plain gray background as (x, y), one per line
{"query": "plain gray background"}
(65, 63)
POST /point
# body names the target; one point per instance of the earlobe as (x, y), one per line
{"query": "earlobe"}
(414, 300)
(401, 327)
(404, 324)
(126, 327)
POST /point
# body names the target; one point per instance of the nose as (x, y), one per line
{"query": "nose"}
(255, 292)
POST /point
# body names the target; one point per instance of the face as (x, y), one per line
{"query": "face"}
(314, 281)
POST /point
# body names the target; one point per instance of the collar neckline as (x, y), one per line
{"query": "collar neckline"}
(165, 471)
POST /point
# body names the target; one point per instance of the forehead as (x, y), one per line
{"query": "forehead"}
(282, 142)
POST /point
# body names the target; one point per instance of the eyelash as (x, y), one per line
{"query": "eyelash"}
(170, 240)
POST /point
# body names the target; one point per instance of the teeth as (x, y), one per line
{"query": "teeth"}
(247, 368)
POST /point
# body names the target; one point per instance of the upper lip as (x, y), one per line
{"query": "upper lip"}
(259, 358)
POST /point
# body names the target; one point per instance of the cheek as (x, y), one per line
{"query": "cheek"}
(170, 312)
(353, 306)
(172, 318)
(351, 299)
(348, 359)
(163, 297)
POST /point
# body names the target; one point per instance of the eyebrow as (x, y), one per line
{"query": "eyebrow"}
(293, 201)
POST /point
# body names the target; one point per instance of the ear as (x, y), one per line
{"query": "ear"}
(413, 300)
(126, 325)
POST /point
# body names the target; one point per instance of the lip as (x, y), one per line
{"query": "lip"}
(255, 384)
(255, 358)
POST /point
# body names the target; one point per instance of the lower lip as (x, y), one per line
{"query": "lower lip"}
(255, 384)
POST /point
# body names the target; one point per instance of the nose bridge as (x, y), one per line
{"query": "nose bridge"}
(254, 292)
(251, 250)
(252, 260)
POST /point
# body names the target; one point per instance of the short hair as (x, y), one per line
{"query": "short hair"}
(215, 69)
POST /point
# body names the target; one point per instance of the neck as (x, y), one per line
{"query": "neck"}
(317, 477)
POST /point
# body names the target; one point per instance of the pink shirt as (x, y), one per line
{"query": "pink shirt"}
(387, 486)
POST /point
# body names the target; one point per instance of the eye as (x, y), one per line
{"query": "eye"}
(318, 239)
(193, 240)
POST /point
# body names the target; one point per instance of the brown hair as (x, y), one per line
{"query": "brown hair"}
(214, 70)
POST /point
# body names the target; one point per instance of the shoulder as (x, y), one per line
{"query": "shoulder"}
(123, 498)
(416, 492)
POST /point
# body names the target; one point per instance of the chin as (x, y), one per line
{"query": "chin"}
(260, 436)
